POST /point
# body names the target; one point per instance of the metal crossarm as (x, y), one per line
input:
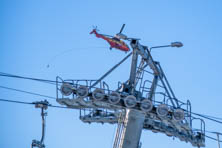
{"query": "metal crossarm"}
(113, 68)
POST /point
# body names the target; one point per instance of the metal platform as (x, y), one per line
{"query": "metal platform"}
(103, 110)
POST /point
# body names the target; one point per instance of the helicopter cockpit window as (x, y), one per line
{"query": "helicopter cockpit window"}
(116, 39)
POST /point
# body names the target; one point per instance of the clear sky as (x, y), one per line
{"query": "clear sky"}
(36, 33)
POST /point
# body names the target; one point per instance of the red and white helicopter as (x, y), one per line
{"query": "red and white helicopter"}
(114, 41)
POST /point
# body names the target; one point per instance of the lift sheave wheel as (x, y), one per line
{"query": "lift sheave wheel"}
(162, 110)
(114, 98)
(66, 89)
(82, 91)
(146, 105)
(98, 94)
(130, 101)
(178, 115)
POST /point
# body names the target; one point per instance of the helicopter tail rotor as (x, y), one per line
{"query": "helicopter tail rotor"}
(94, 30)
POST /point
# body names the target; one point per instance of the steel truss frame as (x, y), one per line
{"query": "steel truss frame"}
(96, 106)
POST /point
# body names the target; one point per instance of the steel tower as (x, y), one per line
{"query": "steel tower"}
(144, 101)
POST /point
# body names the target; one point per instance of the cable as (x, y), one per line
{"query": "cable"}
(36, 79)
(28, 78)
(203, 116)
(31, 103)
(215, 119)
(13, 89)
(213, 132)
(13, 101)
(69, 50)
(206, 117)
(213, 138)
(21, 102)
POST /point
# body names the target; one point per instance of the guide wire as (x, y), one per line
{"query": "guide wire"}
(27, 78)
(28, 92)
(31, 103)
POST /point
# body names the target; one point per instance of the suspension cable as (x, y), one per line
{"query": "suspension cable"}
(28, 92)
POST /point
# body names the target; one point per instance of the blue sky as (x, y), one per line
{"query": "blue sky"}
(34, 33)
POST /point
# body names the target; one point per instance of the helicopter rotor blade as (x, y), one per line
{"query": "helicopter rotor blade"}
(122, 29)
(130, 39)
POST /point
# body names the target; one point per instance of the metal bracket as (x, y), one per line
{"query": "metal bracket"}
(44, 106)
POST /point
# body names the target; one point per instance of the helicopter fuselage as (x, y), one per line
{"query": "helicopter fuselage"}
(113, 42)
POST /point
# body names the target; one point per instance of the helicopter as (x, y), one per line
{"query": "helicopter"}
(114, 41)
